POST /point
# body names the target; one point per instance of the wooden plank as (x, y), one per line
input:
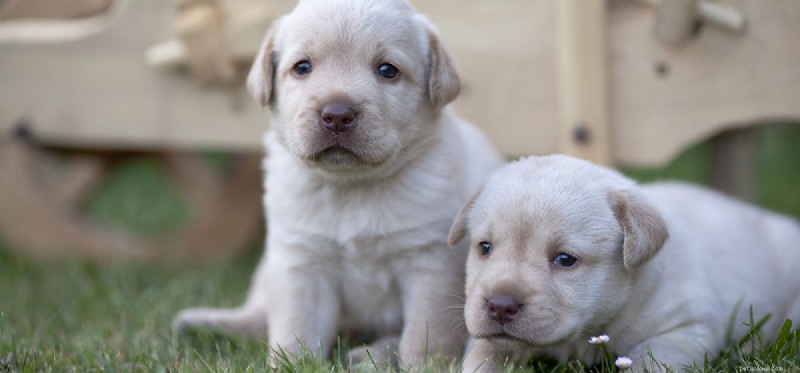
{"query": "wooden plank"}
(98, 92)
(504, 54)
(666, 99)
(44, 9)
(676, 20)
(583, 101)
(201, 26)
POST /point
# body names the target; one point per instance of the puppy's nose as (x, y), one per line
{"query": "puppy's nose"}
(502, 308)
(337, 118)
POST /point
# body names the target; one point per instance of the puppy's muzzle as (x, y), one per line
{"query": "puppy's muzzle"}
(337, 118)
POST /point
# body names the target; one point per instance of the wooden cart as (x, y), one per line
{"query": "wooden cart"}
(618, 81)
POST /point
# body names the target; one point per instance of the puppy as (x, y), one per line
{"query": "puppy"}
(366, 170)
(561, 250)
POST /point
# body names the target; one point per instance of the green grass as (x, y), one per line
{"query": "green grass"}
(76, 317)
(71, 316)
(136, 197)
(779, 168)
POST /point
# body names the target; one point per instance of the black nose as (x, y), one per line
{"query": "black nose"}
(337, 118)
(502, 308)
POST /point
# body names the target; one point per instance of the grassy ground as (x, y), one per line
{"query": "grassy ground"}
(72, 316)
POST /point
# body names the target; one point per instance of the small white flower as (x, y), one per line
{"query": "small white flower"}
(596, 340)
(623, 362)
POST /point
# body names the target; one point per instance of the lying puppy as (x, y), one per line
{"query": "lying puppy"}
(366, 170)
(562, 250)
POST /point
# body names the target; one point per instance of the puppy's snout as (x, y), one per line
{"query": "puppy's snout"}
(337, 117)
(502, 308)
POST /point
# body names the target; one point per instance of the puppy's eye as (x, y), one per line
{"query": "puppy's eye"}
(387, 71)
(302, 67)
(565, 260)
(485, 248)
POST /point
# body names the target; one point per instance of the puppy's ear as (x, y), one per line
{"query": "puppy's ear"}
(459, 228)
(443, 81)
(644, 231)
(261, 79)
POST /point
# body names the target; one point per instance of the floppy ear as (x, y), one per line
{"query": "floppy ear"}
(644, 231)
(443, 81)
(459, 228)
(261, 79)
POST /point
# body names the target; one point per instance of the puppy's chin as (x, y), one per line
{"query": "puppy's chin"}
(523, 331)
(524, 338)
(338, 158)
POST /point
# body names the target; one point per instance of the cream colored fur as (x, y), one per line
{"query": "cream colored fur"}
(660, 267)
(357, 223)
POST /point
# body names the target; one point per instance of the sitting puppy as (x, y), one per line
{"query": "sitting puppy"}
(366, 169)
(562, 250)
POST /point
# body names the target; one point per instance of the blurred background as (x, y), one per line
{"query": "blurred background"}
(130, 181)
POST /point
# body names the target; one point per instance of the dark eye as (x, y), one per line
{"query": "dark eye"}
(565, 260)
(485, 248)
(302, 67)
(387, 71)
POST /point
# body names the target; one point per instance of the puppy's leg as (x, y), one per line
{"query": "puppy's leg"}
(433, 317)
(303, 312)
(248, 320)
(382, 352)
(674, 350)
(481, 357)
(242, 321)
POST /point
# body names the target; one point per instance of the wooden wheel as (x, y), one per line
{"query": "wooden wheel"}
(40, 207)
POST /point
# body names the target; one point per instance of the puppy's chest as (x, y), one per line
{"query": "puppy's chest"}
(372, 225)
(370, 296)
(365, 242)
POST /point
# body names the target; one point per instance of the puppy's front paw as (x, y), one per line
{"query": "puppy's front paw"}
(240, 322)
(192, 318)
(480, 357)
(381, 353)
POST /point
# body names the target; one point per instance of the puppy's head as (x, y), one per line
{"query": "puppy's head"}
(554, 244)
(354, 86)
